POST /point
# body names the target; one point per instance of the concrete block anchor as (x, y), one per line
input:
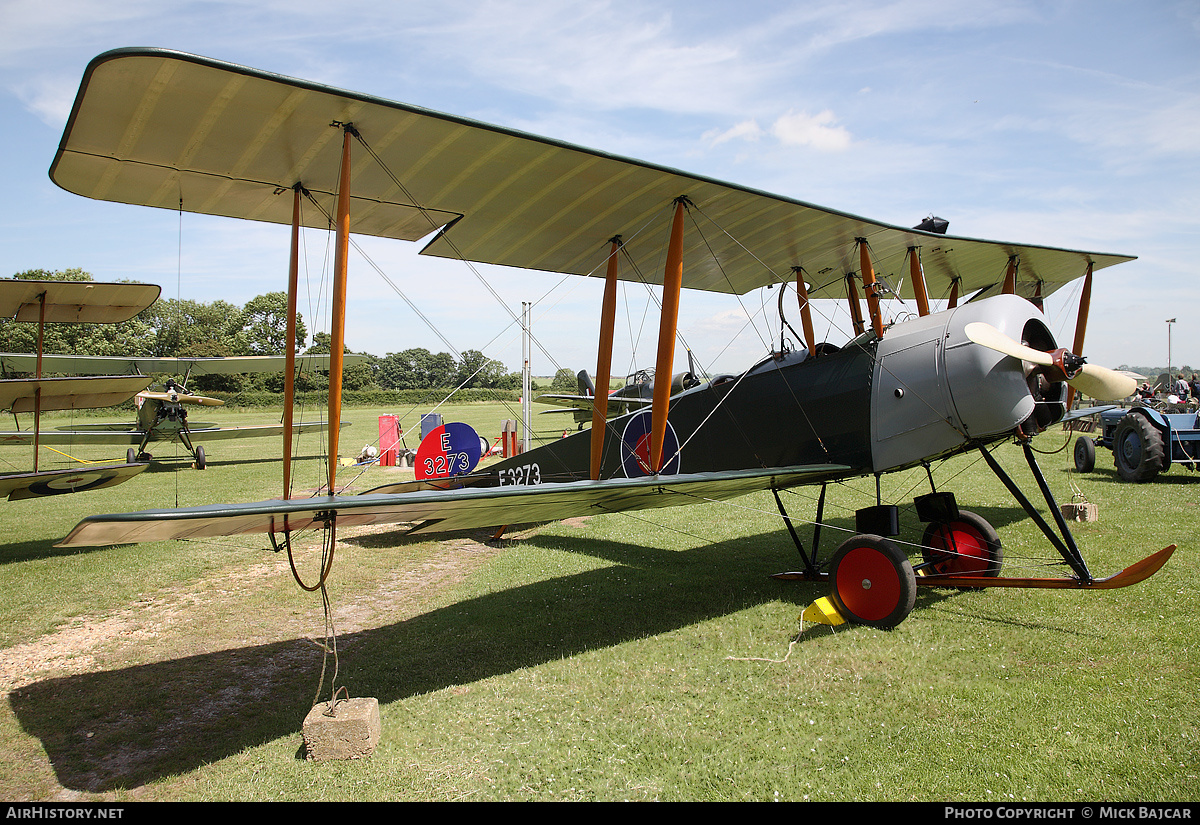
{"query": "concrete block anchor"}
(1080, 511)
(350, 730)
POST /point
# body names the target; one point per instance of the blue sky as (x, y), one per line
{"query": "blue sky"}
(1071, 124)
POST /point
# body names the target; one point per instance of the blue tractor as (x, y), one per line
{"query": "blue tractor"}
(1144, 441)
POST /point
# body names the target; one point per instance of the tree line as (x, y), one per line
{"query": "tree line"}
(175, 328)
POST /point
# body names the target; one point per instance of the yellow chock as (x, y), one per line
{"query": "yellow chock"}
(822, 611)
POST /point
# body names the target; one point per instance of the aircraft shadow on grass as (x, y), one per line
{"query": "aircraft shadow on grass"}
(127, 727)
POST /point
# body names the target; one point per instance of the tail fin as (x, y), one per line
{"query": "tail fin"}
(586, 387)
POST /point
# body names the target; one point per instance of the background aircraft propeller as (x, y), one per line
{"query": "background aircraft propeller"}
(1100, 383)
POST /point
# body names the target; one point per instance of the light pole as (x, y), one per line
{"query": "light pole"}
(1169, 322)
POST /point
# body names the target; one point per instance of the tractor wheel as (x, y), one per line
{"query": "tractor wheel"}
(1137, 449)
(873, 582)
(1085, 454)
(967, 546)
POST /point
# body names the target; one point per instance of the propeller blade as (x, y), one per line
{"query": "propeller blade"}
(988, 336)
(182, 398)
(1098, 382)
(1102, 383)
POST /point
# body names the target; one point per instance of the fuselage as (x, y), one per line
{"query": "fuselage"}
(874, 405)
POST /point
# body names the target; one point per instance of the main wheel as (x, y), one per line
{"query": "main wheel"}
(200, 458)
(967, 546)
(1137, 449)
(1085, 454)
(873, 582)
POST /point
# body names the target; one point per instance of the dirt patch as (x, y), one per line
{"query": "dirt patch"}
(75, 648)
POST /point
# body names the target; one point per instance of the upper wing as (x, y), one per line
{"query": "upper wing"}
(130, 434)
(121, 365)
(149, 124)
(437, 511)
(74, 302)
(20, 395)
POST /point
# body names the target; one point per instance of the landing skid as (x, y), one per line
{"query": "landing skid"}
(873, 580)
(1134, 573)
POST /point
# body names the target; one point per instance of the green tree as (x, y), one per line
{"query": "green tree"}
(354, 377)
(193, 329)
(264, 320)
(564, 381)
(477, 370)
(416, 368)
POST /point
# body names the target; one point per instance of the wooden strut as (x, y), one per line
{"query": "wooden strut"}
(672, 283)
(917, 275)
(805, 311)
(336, 345)
(289, 379)
(856, 318)
(952, 301)
(337, 325)
(37, 393)
(1010, 277)
(870, 287)
(1085, 303)
(608, 315)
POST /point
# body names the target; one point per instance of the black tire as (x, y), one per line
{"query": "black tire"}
(1085, 454)
(200, 458)
(967, 546)
(1137, 449)
(873, 582)
(131, 456)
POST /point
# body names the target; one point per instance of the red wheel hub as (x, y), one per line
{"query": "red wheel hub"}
(966, 551)
(868, 584)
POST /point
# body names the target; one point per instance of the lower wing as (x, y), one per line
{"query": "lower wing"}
(435, 511)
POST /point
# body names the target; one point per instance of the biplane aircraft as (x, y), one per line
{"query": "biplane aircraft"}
(62, 302)
(914, 385)
(162, 415)
(635, 394)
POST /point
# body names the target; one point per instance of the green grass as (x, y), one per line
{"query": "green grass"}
(639, 656)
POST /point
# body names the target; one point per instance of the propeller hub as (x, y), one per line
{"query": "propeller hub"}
(1068, 363)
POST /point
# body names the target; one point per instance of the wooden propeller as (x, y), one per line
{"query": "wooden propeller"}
(1098, 382)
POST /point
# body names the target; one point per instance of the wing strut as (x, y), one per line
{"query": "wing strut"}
(337, 330)
(856, 318)
(917, 276)
(870, 286)
(805, 311)
(672, 283)
(1010, 276)
(608, 314)
(1085, 304)
(289, 376)
(37, 394)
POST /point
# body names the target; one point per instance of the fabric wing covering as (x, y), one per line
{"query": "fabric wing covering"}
(150, 127)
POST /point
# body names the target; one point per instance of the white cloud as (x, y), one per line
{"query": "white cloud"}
(819, 131)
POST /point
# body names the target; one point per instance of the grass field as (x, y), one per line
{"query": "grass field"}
(619, 657)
